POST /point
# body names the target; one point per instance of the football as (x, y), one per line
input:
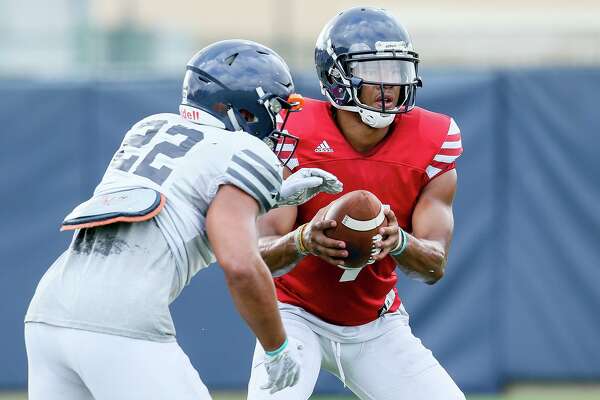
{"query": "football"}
(359, 216)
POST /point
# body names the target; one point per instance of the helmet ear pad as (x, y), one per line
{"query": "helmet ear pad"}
(333, 87)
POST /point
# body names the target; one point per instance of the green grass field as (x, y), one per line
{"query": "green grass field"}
(519, 392)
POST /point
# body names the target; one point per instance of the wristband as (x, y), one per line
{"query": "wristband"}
(402, 244)
(298, 242)
(278, 350)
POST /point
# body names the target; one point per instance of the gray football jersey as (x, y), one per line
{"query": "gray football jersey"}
(121, 278)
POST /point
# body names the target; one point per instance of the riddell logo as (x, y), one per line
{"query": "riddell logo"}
(189, 113)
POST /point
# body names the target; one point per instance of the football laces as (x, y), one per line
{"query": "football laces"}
(375, 250)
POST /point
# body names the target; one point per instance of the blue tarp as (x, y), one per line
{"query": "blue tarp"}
(519, 299)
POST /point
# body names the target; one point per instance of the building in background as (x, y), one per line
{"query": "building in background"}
(99, 38)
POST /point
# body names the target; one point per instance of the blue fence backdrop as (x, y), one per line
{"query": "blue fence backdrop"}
(520, 297)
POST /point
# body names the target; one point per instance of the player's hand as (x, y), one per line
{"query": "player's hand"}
(317, 243)
(305, 184)
(390, 235)
(283, 369)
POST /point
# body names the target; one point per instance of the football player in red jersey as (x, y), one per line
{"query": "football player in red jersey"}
(372, 136)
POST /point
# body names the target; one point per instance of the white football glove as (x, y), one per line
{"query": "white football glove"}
(305, 184)
(283, 369)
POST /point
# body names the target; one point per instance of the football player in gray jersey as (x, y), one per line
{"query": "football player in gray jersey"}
(99, 326)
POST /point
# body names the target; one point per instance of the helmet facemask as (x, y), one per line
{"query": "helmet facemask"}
(390, 77)
(279, 140)
(392, 70)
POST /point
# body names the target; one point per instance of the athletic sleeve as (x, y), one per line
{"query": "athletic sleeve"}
(256, 170)
(450, 150)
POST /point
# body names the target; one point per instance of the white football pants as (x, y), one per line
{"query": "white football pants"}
(71, 364)
(393, 366)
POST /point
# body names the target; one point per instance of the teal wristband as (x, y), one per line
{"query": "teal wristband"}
(277, 351)
(402, 244)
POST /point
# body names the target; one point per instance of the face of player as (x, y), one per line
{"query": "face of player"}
(371, 95)
(394, 75)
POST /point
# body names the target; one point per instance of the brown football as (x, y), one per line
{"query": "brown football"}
(359, 216)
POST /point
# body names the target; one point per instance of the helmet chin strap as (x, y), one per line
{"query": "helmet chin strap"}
(370, 118)
(375, 119)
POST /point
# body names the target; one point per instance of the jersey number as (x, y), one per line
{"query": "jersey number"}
(144, 168)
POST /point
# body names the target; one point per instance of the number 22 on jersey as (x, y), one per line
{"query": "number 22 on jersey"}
(141, 139)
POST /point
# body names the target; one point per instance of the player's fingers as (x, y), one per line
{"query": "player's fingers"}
(321, 213)
(328, 243)
(333, 261)
(327, 176)
(332, 252)
(381, 255)
(296, 378)
(386, 246)
(289, 379)
(381, 248)
(311, 182)
(389, 243)
(386, 233)
(276, 384)
(390, 239)
(391, 217)
(334, 187)
(389, 230)
(280, 383)
(324, 224)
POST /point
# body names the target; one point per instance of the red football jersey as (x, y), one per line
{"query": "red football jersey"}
(420, 146)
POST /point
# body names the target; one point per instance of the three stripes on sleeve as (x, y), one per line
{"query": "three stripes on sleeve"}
(254, 175)
(451, 149)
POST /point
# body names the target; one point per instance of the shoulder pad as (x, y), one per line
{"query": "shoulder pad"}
(132, 205)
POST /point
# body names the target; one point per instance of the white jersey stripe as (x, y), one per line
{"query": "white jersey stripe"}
(453, 128)
(286, 147)
(452, 145)
(450, 150)
(432, 171)
(445, 159)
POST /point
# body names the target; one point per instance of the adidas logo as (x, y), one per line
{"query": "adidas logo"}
(323, 148)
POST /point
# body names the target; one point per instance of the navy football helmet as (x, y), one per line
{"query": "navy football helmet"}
(241, 85)
(367, 46)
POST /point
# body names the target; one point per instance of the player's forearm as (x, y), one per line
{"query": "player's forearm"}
(279, 252)
(253, 294)
(423, 259)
